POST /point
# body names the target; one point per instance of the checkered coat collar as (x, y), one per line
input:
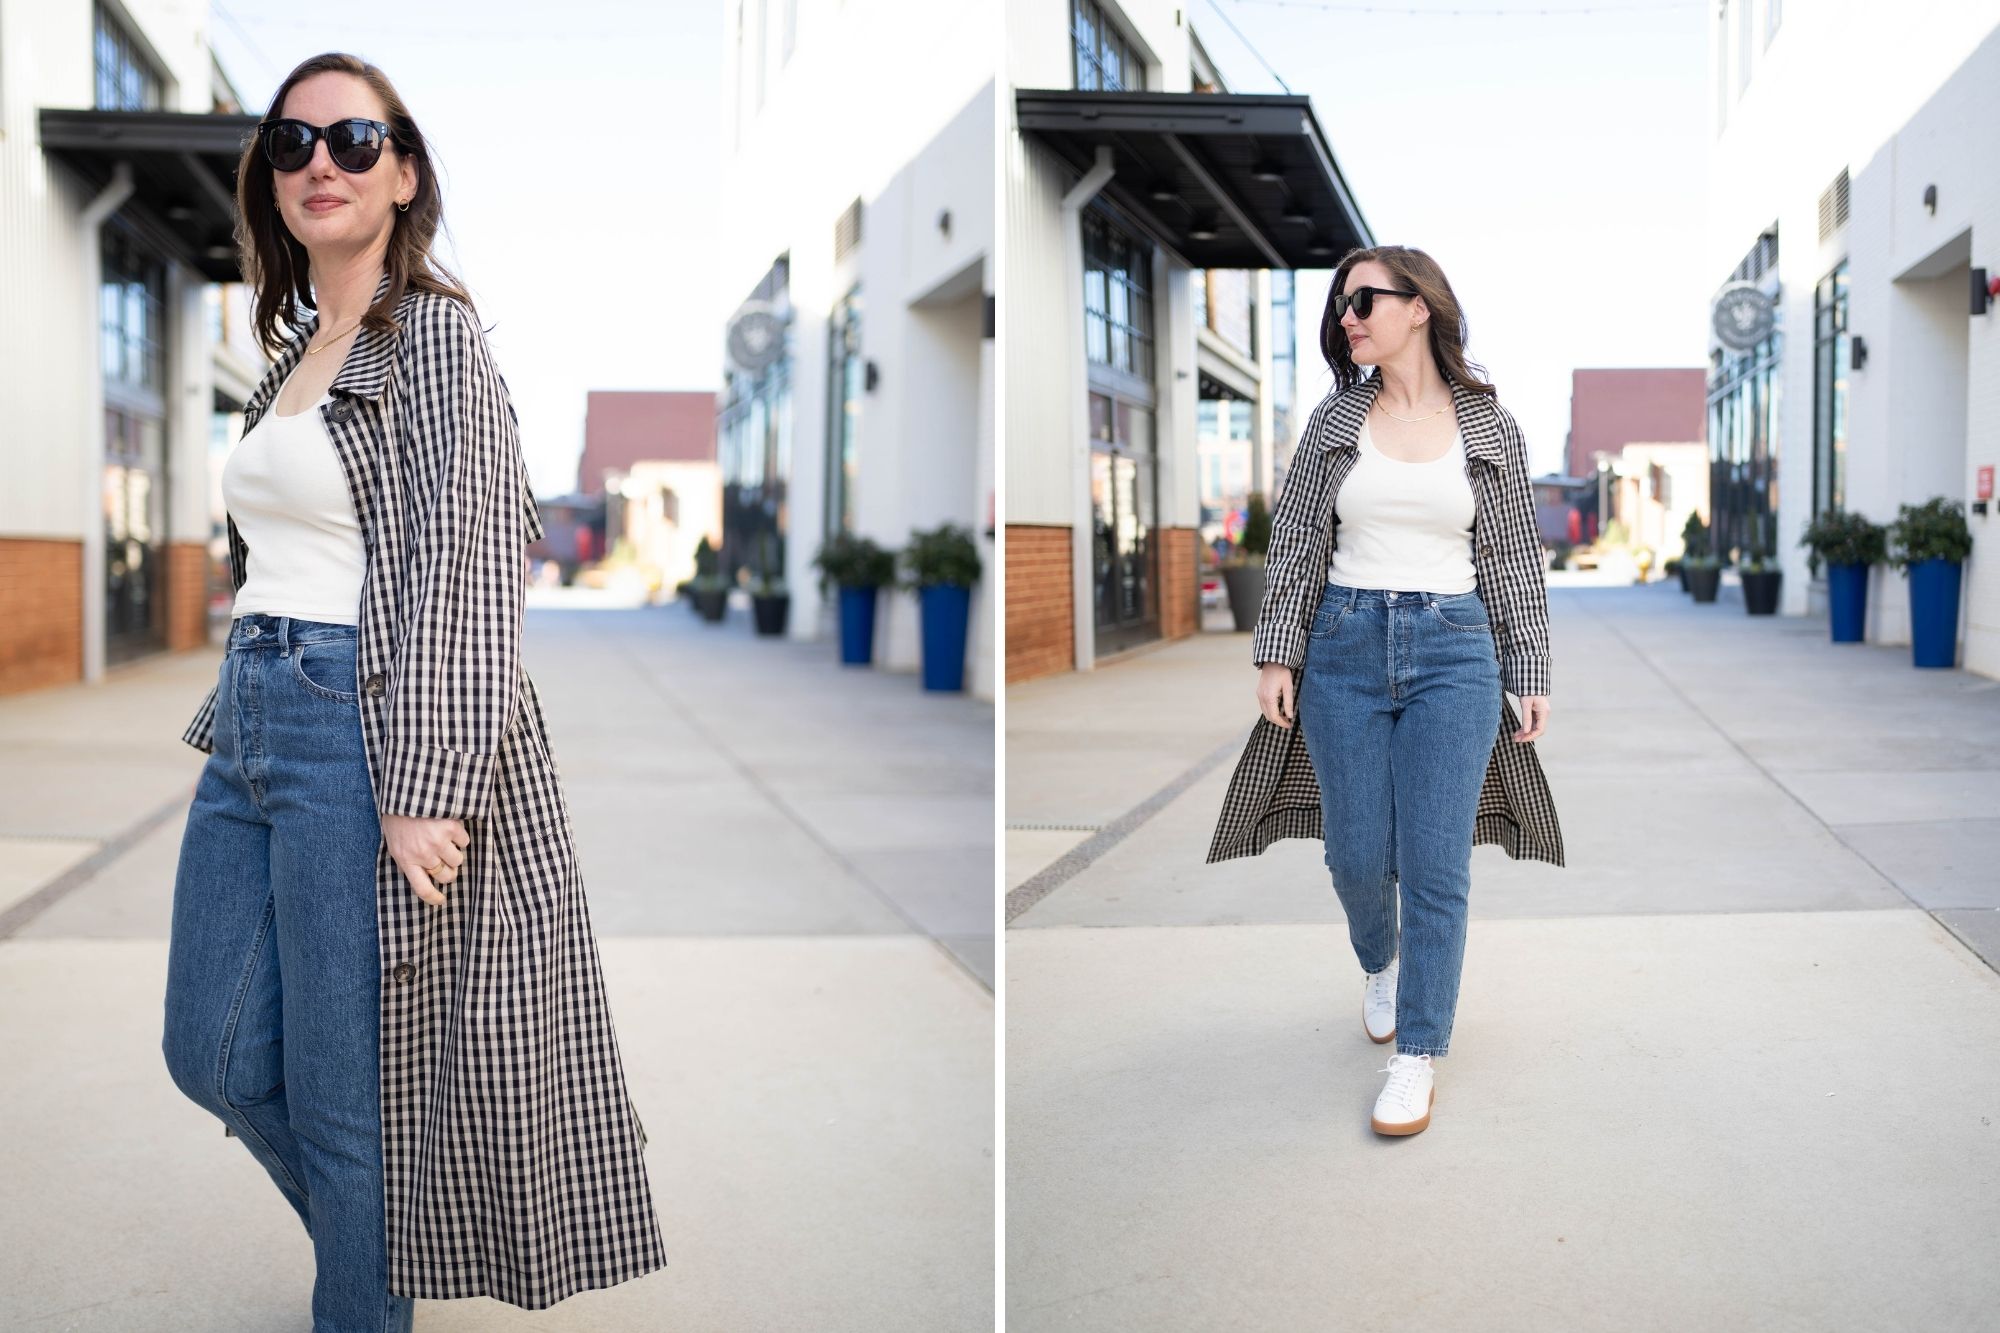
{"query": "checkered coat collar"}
(1478, 419)
(363, 374)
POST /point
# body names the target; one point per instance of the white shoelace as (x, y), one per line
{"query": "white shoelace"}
(1381, 990)
(1403, 1071)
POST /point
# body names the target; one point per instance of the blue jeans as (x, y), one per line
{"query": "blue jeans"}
(1399, 704)
(273, 979)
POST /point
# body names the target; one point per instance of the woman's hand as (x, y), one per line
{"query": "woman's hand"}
(1274, 694)
(1534, 714)
(427, 850)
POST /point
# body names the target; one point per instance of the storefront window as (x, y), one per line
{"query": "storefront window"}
(753, 448)
(847, 381)
(133, 493)
(1832, 351)
(1104, 59)
(1117, 296)
(1743, 449)
(125, 78)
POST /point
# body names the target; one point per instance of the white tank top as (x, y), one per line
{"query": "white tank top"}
(284, 486)
(1405, 526)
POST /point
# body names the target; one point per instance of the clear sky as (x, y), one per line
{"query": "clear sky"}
(578, 148)
(1553, 162)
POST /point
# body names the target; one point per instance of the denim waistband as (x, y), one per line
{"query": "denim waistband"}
(1341, 592)
(257, 629)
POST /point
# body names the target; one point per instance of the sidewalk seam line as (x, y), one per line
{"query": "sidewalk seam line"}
(41, 900)
(1073, 862)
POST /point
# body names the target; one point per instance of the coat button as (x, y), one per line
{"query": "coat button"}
(343, 409)
(375, 683)
(404, 971)
(1485, 549)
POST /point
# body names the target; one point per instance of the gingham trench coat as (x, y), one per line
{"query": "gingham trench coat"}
(510, 1147)
(1274, 792)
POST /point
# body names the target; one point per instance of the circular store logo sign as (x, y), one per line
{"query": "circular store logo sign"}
(1742, 316)
(756, 336)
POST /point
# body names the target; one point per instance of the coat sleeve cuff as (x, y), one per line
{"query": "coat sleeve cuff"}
(1524, 676)
(432, 782)
(1278, 643)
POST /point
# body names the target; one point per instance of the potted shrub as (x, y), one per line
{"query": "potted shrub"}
(1243, 571)
(1929, 543)
(943, 565)
(1694, 540)
(1701, 572)
(858, 567)
(1761, 579)
(711, 590)
(770, 598)
(1849, 544)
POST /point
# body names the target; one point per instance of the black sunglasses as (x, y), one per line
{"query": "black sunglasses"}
(1363, 300)
(354, 145)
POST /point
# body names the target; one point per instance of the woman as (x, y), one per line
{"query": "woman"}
(1387, 652)
(381, 975)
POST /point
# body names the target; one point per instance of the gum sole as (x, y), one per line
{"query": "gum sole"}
(1414, 1126)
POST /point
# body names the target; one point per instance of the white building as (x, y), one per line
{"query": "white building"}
(1152, 225)
(858, 179)
(1864, 217)
(120, 361)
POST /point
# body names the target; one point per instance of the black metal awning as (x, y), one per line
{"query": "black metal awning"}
(183, 173)
(1225, 180)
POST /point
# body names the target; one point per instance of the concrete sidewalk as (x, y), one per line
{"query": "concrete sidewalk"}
(790, 868)
(1730, 1067)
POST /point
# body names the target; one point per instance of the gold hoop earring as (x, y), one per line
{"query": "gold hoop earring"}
(402, 208)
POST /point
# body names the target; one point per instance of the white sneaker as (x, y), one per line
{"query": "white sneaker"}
(1378, 1002)
(1405, 1104)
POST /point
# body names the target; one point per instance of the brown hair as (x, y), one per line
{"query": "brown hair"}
(1412, 269)
(275, 263)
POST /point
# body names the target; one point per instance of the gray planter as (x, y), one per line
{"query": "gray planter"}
(1246, 593)
(711, 603)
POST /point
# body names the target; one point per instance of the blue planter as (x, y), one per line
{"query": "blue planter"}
(857, 626)
(1934, 612)
(1847, 601)
(945, 611)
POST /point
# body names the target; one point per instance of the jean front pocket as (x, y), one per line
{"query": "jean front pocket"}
(1462, 611)
(1327, 619)
(325, 669)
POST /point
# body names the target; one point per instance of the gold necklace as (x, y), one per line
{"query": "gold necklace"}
(1387, 413)
(310, 351)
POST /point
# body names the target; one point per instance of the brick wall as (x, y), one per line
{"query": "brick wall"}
(41, 613)
(1041, 638)
(187, 595)
(1180, 593)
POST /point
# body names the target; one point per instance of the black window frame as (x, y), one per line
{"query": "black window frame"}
(1097, 45)
(124, 77)
(1118, 307)
(1832, 355)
